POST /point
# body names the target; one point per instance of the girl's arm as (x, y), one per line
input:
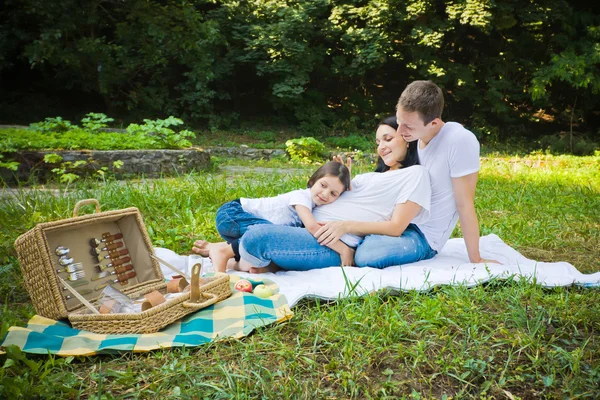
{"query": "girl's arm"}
(310, 223)
(330, 232)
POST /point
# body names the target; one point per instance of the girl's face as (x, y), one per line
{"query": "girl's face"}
(326, 190)
(391, 146)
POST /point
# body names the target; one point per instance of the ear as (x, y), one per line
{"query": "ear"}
(435, 122)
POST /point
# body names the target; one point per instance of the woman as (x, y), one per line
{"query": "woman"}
(380, 203)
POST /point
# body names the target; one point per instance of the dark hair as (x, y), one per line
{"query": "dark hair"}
(424, 97)
(412, 156)
(332, 168)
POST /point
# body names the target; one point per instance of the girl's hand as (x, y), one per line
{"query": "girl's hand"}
(330, 232)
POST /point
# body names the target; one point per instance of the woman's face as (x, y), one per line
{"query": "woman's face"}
(391, 146)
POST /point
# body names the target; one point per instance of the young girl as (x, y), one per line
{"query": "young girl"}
(291, 209)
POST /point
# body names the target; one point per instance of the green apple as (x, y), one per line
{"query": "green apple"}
(263, 291)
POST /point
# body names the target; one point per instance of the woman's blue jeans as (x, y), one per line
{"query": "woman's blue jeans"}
(233, 222)
(296, 249)
(380, 251)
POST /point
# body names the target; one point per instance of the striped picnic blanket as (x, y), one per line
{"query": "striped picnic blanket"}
(233, 317)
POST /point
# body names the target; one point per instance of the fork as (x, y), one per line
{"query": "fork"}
(73, 276)
(71, 268)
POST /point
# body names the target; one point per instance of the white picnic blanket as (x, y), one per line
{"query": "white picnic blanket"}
(450, 267)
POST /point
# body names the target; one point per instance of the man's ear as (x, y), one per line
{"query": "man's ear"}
(435, 122)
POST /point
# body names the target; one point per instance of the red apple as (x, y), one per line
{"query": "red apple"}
(243, 286)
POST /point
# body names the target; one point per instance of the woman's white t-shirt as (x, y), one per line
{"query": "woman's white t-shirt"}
(374, 196)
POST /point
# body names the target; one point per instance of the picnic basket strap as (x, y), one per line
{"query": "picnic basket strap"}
(84, 202)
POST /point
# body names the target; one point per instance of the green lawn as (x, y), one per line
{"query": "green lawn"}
(499, 340)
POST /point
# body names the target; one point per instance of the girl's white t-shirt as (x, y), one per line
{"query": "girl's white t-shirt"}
(279, 209)
(452, 153)
(374, 196)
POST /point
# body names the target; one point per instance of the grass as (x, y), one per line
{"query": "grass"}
(505, 339)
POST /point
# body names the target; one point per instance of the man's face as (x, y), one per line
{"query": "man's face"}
(411, 126)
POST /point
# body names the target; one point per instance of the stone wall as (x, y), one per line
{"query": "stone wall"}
(150, 163)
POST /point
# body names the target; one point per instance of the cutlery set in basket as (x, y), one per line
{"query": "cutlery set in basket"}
(67, 263)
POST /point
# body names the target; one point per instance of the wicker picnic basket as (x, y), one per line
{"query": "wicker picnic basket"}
(43, 280)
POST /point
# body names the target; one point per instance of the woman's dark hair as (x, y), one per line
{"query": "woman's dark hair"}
(332, 168)
(412, 156)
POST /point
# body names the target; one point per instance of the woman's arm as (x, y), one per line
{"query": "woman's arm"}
(330, 232)
(310, 223)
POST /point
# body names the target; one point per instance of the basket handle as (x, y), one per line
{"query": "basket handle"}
(81, 203)
(212, 299)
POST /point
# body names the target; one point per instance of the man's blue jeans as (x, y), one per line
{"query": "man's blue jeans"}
(233, 222)
(296, 249)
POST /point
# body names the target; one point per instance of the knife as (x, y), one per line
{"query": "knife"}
(120, 279)
(104, 264)
(79, 282)
(108, 247)
(105, 239)
(118, 270)
(81, 292)
(113, 256)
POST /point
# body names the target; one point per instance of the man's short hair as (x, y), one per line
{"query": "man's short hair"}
(424, 97)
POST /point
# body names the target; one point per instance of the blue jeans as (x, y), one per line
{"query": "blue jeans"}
(233, 222)
(289, 247)
(296, 249)
(380, 251)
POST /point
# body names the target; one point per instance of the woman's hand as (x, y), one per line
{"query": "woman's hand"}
(330, 232)
(348, 162)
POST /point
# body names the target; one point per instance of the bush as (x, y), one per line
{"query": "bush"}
(305, 149)
(561, 144)
(352, 142)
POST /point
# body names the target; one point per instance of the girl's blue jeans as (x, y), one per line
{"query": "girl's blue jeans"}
(296, 249)
(233, 222)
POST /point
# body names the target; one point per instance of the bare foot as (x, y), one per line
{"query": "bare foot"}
(269, 268)
(244, 266)
(201, 247)
(219, 254)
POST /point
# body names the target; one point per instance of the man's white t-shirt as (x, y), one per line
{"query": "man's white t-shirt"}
(374, 196)
(279, 209)
(452, 153)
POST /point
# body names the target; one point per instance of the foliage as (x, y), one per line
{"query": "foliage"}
(95, 121)
(161, 135)
(488, 341)
(352, 142)
(321, 65)
(561, 144)
(305, 149)
(56, 133)
(68, 171)
(11, 165)
(52, 124)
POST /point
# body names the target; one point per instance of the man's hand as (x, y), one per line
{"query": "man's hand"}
(486, 261)
(330, 232)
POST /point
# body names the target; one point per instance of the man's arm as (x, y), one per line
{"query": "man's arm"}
(464, 194)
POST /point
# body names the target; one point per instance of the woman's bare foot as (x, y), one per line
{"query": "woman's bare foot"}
(201, 247)
(269, 268)
(243, 266)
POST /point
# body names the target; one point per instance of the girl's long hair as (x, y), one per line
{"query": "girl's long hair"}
(412, 156)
